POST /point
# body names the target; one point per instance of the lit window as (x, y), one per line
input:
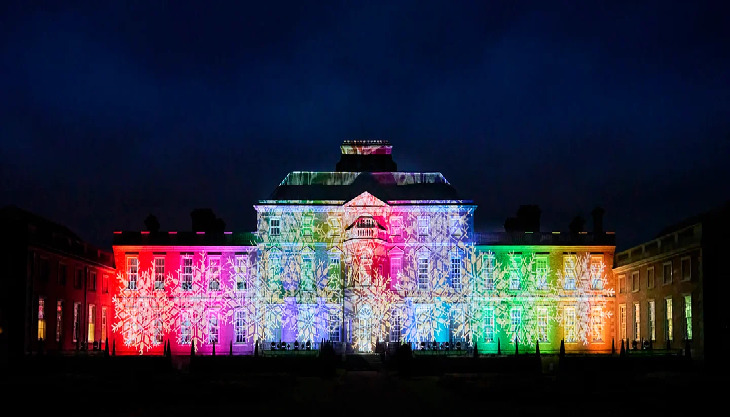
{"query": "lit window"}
(570, 331)
(541, 270)
(622, 322)
(395, 266)
(688, 316)
(423, 224)
(569, 262)
(637, 322)
(686, 267)
(185, 336)
(597, 323)
(77, 321)
(92, 323)
(456, 271)
(41, 318)
(650, 278)
(241, 271)
(214, 273)
(159, 273)
(213, 328)
(651, 312)
(395, 325)
(334, 226)
(187, 272)
(240, 326)
(307, 279)
(59, 319)
(667, 270)
(597, 268)
(489, 324)
(515, 271)
(396, 225)
(366, 263)
(423, 271)
(157, 330)
(132, 272)
(275, 227)
(456, 324)
(104, 320)
(668, 329)
(333, 272)
(515, 322)
(334, 327)
(307, 225)
(542, 324)
(488, 271)
(455, 226)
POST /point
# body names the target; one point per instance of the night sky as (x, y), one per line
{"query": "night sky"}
(112, 112)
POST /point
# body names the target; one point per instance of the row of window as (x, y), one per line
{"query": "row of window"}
(638, 332)
(423, 225)
(76, 324)
(541, 271)
(685, 275)
(212, 272)
(44, 272)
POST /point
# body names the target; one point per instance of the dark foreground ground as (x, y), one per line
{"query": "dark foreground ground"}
(363, 386)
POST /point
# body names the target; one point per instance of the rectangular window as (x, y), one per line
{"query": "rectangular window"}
(275, 227)
(489, 324)
(79, 279)
(597, 268)
(541, 271)
(686, 267)
(44, 269)
(214, 273)
(241, 271)
(159, 273)
(423, 224)
(667, 272)
(132, 272)
(650, 277)
(213, 328)
(395, 326)
(570, 331)
(240, 326)
(307, 279)
(635, 285)
(456, 271)
(59, 320)
(186, 280)
(488, 266)
(455, 226)
(41, 318)
(622, 322)
(515, 271)
(423, 272)
(456, 324)
(688, 316)
(77, 321)
(275, 270)
(542, 324)
(569, 262)
(668, 329)
(62, 274)
(395, 267)
(651, 313)
(91, 285)
(334, 226)
(637, 322)
(104, 320)
(622, 283)
(396, 225)
(333, 271)
(334, 327)
(307, 225)
(366, 264)
(105, 283)
(91, 335)
(597, 323)
(515, 322)
(157, 326)
(185, 324)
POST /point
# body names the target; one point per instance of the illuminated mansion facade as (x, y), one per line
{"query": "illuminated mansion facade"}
(361, 256)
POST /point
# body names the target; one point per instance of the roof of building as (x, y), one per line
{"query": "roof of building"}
(184, 239)
(720, 211)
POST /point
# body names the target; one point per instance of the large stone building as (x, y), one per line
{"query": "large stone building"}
(359, 256)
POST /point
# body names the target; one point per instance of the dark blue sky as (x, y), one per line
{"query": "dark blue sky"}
(111, 112)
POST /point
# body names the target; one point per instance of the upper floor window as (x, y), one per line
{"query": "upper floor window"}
(395, 267)
(650, 277)
(79, 279)
(423, 267)
(396, 225)
(686, 267)
(186, 281)
(541, 270)
(275, 226)
(456, 270)
(132, 272)
(159, 273)
(105, 283)
(214, 273)
(488, 266)
(307, 279)
(241, 271)
(622, 283)
(569, 263)
(334, 226)
(333, 270)
(515, 271)
(455, 226)
(307, 225)
(423, 224)
(597, 268)
(667, 272)
(91, 285)
(275, 269)
(635, 281)
(62, 274)
(366, 263)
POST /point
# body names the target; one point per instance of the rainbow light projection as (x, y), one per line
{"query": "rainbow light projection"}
(365, 271)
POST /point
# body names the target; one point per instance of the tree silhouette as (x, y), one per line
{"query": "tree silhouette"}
(151, 223)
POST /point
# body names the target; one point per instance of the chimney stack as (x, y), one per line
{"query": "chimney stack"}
(598, 220)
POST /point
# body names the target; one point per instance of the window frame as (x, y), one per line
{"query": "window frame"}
(275, 230)
(651, 319)
(423, 270)
(668, 318)
(186, 276)
(213, 276)
(650, 277)
(424, 225)
(597, 326)
(570, 331)
(132, 271)
(240, 324)
(664, 272)
(541, 272)
(569, 272)
(635, 281)
(688, 278)
(159, 272)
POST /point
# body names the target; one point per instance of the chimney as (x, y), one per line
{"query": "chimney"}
(529, 217)
(598, 220)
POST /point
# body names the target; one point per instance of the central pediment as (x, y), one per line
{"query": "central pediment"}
(365, 199)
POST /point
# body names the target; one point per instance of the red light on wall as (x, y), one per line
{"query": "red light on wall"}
(117, 232)
(172, 232)
(228, 232)
(145, 232)
(200, 232)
